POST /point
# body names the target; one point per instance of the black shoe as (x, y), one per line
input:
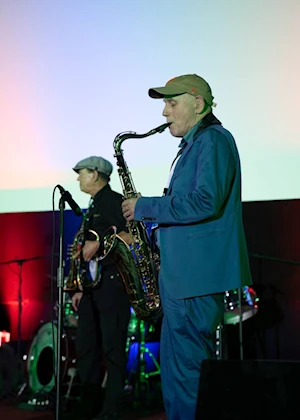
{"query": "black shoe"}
(89, 405)
(72, 416)
(112, 416)
(76, 416)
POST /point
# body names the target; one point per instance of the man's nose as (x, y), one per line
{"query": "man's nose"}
(165, 111)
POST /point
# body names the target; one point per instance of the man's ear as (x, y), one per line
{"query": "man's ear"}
(200, 104)
(95, 176)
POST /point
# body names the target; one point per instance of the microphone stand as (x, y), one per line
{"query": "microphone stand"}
(60, 277)
(20, 263)
(240, 323)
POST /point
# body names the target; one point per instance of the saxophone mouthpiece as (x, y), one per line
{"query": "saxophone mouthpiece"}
(162, 127)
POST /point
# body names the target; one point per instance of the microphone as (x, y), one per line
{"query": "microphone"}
(68, 198)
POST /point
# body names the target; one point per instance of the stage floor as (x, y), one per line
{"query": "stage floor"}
(9, 411)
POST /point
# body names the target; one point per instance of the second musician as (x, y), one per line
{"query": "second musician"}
(104, 310)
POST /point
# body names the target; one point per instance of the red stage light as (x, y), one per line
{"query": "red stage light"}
(4, 337)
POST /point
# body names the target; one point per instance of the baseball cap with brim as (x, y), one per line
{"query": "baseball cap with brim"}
(95, 163)
(188, 83)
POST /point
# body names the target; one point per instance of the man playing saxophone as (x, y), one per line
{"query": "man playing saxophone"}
(104, 310)
(203, 249)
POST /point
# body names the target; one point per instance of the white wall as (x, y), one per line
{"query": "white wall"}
(75, 73)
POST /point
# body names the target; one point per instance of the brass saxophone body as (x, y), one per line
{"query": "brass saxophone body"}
(81, 273)
(137, 263)
(73, 280)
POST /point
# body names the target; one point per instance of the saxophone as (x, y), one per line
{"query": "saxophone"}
(81, 273)
(137, 263)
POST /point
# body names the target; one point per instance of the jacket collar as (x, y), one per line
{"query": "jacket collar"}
(207, 121)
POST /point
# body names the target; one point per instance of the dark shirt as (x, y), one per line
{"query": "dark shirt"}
(104, 212)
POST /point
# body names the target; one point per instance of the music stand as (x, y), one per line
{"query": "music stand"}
(20, 263)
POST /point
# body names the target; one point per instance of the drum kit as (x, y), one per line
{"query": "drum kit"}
(41, 358)
(240, 305)
(142, 347)
(142, 350)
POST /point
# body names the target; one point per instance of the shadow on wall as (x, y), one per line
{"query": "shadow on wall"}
(4, 320)
(272, 230)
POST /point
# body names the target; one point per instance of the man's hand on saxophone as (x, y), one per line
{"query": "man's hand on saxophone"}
(76, 298)
(128, 207)
(89, 250)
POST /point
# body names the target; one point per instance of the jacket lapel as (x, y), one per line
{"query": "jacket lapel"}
(178, 164)
(207, 121)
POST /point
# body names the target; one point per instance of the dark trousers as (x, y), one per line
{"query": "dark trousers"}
(187, 338)
(104, 314)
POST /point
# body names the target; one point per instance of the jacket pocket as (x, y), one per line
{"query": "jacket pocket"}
(198, 234)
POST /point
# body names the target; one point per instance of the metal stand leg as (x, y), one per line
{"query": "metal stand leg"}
(155, 362)
(72, 374)
(219, 342)
(22, 389)
(140, 383)
(240, 324)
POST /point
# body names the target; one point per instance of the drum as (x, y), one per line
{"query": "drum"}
(249, 305)
(42, 357)
(149, 353)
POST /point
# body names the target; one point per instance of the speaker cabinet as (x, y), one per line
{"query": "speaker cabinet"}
(249, 389)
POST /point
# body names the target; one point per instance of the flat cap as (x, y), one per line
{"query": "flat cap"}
(95, 163)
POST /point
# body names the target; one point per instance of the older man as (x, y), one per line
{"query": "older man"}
(104, 309)
(201, 236)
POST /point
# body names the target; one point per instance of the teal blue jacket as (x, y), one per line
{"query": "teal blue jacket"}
(202, 242)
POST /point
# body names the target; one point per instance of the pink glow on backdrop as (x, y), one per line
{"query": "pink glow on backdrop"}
(21, 109)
